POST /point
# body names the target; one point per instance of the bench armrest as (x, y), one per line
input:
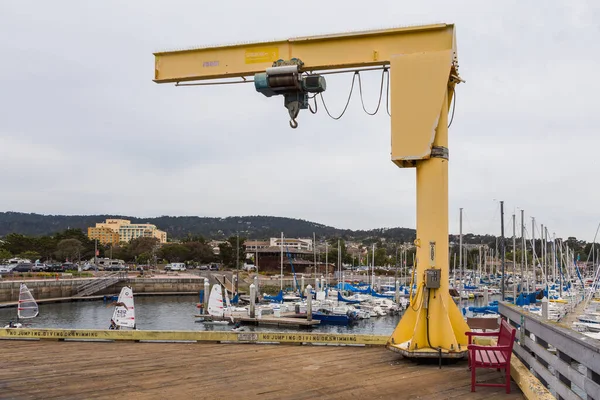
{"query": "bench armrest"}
(495, 333)
(477, 347)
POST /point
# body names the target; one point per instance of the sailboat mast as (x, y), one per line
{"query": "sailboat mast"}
(326, 265)
(533, 250)
(281, 275)
(461, 285)
(315, 253)
(373, 267)
(523, 251)
(339, 278)
(502, 248)
(514, 272)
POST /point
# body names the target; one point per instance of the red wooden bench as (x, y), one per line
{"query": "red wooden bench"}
(496, 357)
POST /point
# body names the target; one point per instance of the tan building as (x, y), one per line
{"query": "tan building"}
(127, 231)
(103, 235)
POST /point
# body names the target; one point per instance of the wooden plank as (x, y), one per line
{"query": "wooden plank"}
(53, 370)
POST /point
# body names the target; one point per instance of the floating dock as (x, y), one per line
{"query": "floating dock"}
(108, 370)
(279, 321)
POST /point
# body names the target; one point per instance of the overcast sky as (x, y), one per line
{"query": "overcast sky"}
(84, 130)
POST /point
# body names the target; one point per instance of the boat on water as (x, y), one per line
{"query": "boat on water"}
(124, 314)
(27, 307)
(215, 307)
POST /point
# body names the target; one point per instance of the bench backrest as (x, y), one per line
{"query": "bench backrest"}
(483, 323)
(506, 335)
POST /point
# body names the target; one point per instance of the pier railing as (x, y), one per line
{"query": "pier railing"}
(565, 361)
(95, 285)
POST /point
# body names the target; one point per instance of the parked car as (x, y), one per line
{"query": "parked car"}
(39, 267)
(203, 267)
(23, 267)
(89, 267)
(175, 267)
(214, 267)
(64, 267)
(54, 267)
(5, 269)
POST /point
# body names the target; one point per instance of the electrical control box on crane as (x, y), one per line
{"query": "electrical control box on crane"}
(286, 78)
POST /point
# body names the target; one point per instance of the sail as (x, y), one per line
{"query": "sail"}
(27, 308)
(215, 302)
(124, 314)
(227, 303)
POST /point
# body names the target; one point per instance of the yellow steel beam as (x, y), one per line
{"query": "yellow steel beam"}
(198, 336)
(349, 50)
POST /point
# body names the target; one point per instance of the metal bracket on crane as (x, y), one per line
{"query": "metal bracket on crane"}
(286, 78)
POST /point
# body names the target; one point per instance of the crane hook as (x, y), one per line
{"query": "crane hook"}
(293, 123)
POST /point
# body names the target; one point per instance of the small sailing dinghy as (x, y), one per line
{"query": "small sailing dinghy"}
(27, 307)
(215, 307)
(124, 315)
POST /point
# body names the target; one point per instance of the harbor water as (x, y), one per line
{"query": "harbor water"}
(173, 313)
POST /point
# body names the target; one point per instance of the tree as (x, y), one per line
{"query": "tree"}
(200, 252)
(68, 249)
(5, 254)
(142, 245)
(228, 253)
(30, 255)
(381, 257)
(174, 252)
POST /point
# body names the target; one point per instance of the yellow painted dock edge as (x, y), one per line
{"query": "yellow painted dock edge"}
(197, 336)
(531, 387)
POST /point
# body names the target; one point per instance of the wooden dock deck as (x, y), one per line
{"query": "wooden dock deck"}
(88, 370)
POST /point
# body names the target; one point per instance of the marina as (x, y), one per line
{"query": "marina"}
(195, 243)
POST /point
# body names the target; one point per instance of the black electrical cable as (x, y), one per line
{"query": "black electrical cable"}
(427, 317)
(387, 95)
(347, 102)
(362, 101)
(316, 105)
(453, 106)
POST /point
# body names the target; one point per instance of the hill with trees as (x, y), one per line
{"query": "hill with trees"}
(255, 227)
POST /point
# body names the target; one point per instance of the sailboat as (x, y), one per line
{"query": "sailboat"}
(124, 315)
(215, 307)
(27, 307)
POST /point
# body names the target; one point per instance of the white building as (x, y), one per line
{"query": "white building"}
(299, 244)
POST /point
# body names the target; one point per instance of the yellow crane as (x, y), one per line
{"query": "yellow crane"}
(423, 71)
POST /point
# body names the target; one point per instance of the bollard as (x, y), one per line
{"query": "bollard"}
(206, 294)
(302, 283)
(256, 284)
(252, 300)
(486, 296)
(545, 308)
(308, 303)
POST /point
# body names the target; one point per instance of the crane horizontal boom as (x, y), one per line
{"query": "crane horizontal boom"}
(346, 50)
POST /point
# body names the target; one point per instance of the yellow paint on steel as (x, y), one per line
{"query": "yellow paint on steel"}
(198, 336)
(531, 387)
(346, 50)
(432, 320)
(418, 87)
(423, 64)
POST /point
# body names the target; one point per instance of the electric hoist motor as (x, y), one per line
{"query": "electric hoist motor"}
(286, 78)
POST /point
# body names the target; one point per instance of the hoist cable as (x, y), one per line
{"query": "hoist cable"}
(347, 101)
(453, 106)
(380, 93)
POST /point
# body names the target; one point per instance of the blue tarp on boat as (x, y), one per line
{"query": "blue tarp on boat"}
(342, 298)
(275, 299)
